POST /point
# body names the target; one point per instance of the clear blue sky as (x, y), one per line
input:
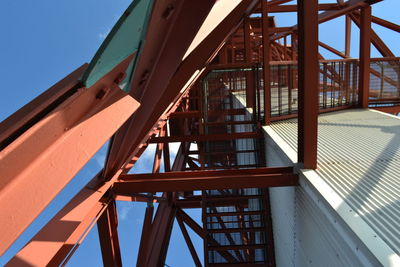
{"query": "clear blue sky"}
(42, 41)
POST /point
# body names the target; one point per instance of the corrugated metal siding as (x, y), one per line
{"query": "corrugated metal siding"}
(318, 240)
(307, 231)
(359, 157)
(283, 225)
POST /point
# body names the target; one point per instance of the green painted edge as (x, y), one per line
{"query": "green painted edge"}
(140, 47)
(110, 36)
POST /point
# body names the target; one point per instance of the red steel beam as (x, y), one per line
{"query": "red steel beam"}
(196, 204)
(144, 239)
(39, 163)
(108, 236)
(191, 223)
(347, 36)
(346, 8)
(375, 39)
(331, 49)
(266, 58)
(200, 231)
(196, 113)
(139, 198)
(204, 137)
(61, 236)
(25, 117)
(153, 250)
(158, 152)
(189, 242)
(279, 29)
(332, 14)
(194, 174)
(160, 235)
(166, 154)
(365, 56)
(308, 83)
(273, 3)
(293, 8)
(206, 182)
(386, 24)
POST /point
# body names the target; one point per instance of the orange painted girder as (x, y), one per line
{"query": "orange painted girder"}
(71, 224)
(20, 118)
(37, 165)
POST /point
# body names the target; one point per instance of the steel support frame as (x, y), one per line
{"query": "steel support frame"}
(100, 209)
(156, 233)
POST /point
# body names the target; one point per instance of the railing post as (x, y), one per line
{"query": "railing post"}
(325, 85)
(308, 82)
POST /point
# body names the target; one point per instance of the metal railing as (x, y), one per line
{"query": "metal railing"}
(338, 85)
(384, 82)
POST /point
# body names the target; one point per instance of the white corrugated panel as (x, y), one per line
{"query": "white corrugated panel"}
(359, 157)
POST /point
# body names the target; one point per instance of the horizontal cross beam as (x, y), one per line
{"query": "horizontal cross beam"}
(204, 137)
(196, 113)
(293, 8)
(205, 180)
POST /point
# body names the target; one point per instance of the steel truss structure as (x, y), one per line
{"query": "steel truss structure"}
(210, 82)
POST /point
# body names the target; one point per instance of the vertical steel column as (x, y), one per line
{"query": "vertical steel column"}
(348, 36)
(108, 235)
(285, 48)
(166, 155)
(146, 231)
(365, 56)
(248, 57)
(307, 18)
(247, 41)
(266, 68)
